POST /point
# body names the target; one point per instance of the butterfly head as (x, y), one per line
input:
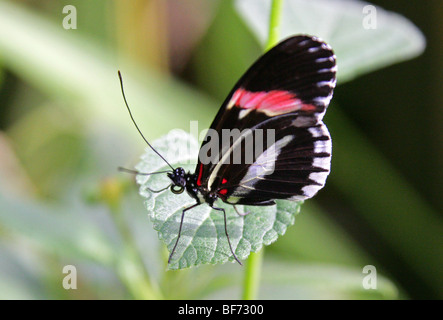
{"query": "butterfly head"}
(178, 178)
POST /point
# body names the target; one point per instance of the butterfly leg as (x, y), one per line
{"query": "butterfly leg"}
(242, 214)
(180, 230)
(227, 235)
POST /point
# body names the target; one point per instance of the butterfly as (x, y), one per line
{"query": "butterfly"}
(281, 98)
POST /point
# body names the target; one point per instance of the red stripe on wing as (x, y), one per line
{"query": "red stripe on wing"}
(275, 101)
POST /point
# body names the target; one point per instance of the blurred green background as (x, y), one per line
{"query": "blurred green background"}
(64, 131)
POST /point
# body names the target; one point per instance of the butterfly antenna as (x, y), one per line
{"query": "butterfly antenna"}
(138, 172)
(132, 118)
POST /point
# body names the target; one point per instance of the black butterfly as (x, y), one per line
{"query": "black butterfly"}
(286, 93)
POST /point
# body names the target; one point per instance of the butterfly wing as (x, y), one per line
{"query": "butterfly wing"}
(294, 166)
(287, 90)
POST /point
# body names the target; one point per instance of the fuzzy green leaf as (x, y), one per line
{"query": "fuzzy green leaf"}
(203, 238)
(364, 37)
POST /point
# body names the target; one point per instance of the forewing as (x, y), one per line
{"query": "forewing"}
(295, 77)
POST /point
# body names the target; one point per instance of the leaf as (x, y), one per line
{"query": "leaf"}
(281, 280)
(203, 238)
(321, 281)
(359, 50)
(59, 230)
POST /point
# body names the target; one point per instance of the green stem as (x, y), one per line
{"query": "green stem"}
(254, 262)
(252, 275)
(274, 24)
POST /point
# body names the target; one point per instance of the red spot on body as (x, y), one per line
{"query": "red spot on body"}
(200, 173)
(224, 181)
(276, 101)
(223, 191)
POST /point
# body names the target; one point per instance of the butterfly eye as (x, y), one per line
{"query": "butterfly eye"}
(177, 189)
